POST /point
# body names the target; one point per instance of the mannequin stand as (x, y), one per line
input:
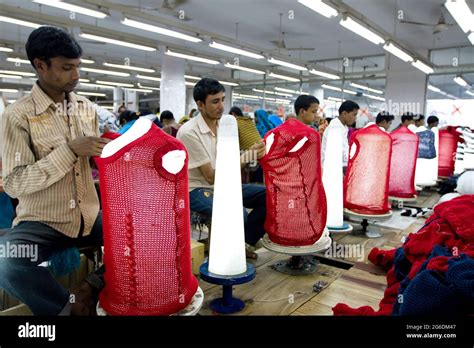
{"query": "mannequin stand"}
(301, 261)
(227, 304)
(365, 223)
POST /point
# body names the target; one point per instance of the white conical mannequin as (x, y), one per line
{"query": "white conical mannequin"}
(227, 250)
(332, 178)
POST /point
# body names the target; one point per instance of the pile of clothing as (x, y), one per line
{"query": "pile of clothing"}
(433, 272)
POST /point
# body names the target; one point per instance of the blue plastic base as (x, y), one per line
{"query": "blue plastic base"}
(227, 304)
(232, 305)
(344, 228)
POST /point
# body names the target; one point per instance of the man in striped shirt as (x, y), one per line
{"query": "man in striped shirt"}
(49, 137)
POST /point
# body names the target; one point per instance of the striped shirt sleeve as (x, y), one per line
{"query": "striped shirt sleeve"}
(22, 174)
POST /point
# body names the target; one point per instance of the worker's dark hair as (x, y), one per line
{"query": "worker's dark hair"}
(49, 42)
(304, 102)
(205, 87)
(348, 106)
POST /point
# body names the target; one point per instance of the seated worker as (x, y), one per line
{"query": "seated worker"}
(306, 109)
(46, 155)
(248, 133)
(347, 117)
(169, 124)
(407, 121)
(432, 122)
(127, 119)
(384, 120)
(419, 120)
(199, 135)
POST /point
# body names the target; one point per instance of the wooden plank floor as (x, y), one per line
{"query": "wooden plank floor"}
(274, 293)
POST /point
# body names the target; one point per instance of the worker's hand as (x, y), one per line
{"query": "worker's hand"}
(258, 149)
(88, 146)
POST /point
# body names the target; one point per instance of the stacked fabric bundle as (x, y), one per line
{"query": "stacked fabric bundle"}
(433, 272)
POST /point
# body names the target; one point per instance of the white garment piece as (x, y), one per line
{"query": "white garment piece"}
(336, 123)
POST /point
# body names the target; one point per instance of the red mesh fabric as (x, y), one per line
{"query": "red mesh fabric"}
(296, 202)
(110, 135)
(403, 163)
(146, 229)
(367, 178)
(448, 142)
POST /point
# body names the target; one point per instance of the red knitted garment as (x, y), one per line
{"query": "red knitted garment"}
(146, 229)
(450, 226)
(367, 178)
(448, 142)
(296, 202)
(403, 163)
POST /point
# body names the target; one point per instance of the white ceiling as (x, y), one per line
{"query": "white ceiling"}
(258, 25)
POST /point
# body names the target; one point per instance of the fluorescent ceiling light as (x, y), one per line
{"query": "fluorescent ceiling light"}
(8, 90)
(139, 90)
(106, 107)
(159, 30)
(19, 22)
(238, 67)
(373, 97)
(84, 80)
(433, 88)
(286, 64)
(187, 83)
(286, 90)
(422, 66)
(72, 8)
(151, 78)
(192, 77)
(87, 61)
(360, 30)
(320, 7)
(222, 47)
(117, 84)
(397, 52)
(282, 77)
(11, 101)
(95, 85)
(228, 83)
(129, 67)
(324, 74)
(249, 96)
(460, 81)
(284, 94)
(93, 94)
(10, 76)
(18, 60)
(348, 91)
(471, 38)
(18, 73)
(5, 49)
(147, 87)
(262, 91)
(377, 91)
(194, 58)
(334, 88)
(470, 93)
(107, 72)
(461, 13)
(117, 42)
(335, 99)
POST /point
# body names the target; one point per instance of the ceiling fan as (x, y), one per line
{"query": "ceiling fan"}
(168, 7)
(439, 27)
(280, 43)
